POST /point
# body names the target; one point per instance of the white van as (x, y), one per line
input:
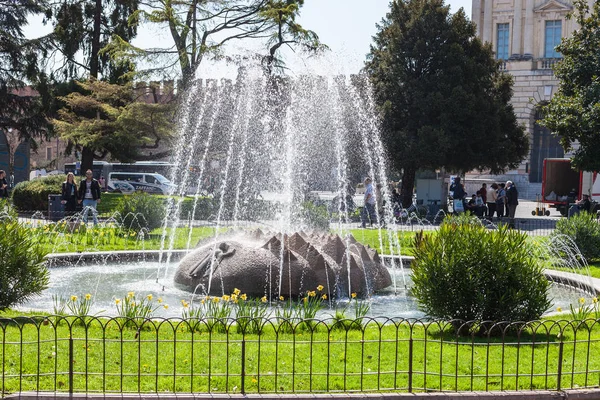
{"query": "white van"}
(129, 182)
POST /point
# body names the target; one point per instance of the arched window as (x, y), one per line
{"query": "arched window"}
(544, 145)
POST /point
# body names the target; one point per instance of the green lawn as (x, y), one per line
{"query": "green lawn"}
(170, 357)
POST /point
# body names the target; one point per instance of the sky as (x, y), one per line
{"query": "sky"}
(346, 26)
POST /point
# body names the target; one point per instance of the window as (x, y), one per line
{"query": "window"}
(553, 37)
(48, 153)
(502, 42)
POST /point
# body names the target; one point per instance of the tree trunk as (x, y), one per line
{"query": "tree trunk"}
(87, 159)
(408, 184)
(87, 154)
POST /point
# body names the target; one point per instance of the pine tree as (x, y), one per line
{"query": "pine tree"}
(443, 101)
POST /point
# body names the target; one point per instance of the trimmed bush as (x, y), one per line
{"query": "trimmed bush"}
(141, 210)
(33, 195)
(314, 216)
(584, 230)
(23, 272)
(466, 272)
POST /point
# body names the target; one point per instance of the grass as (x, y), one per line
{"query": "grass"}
(168, 356)
(112, 238)
(371, 237)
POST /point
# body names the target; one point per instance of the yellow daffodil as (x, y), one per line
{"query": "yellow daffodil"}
(186, 304)
(73, 298)
(305, 299)
(243, 297)
(159, 300)
(88, 296)
(263, 299)
(324, 297)
(353, 295)
(166, 306)
(312, 293)
(558, 309)
(234, 297)
(236, 291)
(216, 299)
(130, 294)
(281, 298)
(202, 301)
(225, 297)
(117, 301)
(320, 288)
(149, 297)
(581, 300)
(595, 300)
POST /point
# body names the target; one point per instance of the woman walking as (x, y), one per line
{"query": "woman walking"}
(69, 194)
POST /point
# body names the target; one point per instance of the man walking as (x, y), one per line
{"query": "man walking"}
(370, 201)
(512, 199)
(89, 193)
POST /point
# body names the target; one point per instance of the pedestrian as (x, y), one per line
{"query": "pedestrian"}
(512, 200)
(69, 194)
(89, 194)
(492, 196)
(500, 200)
(458, 194)
(3, 185)
(370, 202)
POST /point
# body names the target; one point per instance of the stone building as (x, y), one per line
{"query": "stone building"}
(524, 35)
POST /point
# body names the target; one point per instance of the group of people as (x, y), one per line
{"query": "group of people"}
(500, 199)
(88, 193)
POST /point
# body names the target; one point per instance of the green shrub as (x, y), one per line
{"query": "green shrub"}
(469, 273)
(584, 230)
(23, 272)
(33, 195)
(141, 210)
(205, 209)
(314, 216)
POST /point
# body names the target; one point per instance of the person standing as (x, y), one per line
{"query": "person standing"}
(3, 185)
(500, 200)
(512, 200)
(89, 193)
(370, 201)
(69, 194)
(458, 194)
(492, 196)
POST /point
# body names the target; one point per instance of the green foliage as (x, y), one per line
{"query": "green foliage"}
(468, 273)
(438, 87)
(314, 216)
(23, 272)
(572, 113)
(584, 230)
(141, 210)
(33, 195)
(134, 311)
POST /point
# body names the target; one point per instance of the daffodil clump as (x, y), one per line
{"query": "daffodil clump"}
(584, 311)
(135, 310)
(76, 305)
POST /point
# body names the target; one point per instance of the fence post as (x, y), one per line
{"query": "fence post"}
(243, 373)
(410, 363)
(71, 357)
(560, 360)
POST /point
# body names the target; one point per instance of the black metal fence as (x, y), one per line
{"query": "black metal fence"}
(104, 355)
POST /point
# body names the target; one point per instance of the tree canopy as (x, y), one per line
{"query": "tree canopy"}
(111, 118)
(199, 28)
(574, 111)
(443, 101)
(19, 60)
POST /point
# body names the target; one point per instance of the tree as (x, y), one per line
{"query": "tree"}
(202, 27)
(443, 101)
(110, 119)
(20, 109)
(83, 28)
(573, 114)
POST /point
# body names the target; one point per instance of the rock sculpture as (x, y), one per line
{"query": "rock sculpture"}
(251, 262)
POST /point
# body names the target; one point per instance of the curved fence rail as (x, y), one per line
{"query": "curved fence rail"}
(97, 354)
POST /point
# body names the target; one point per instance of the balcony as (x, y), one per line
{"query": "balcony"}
(547, 63)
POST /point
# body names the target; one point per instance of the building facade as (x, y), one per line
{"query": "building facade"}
(524, 35)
